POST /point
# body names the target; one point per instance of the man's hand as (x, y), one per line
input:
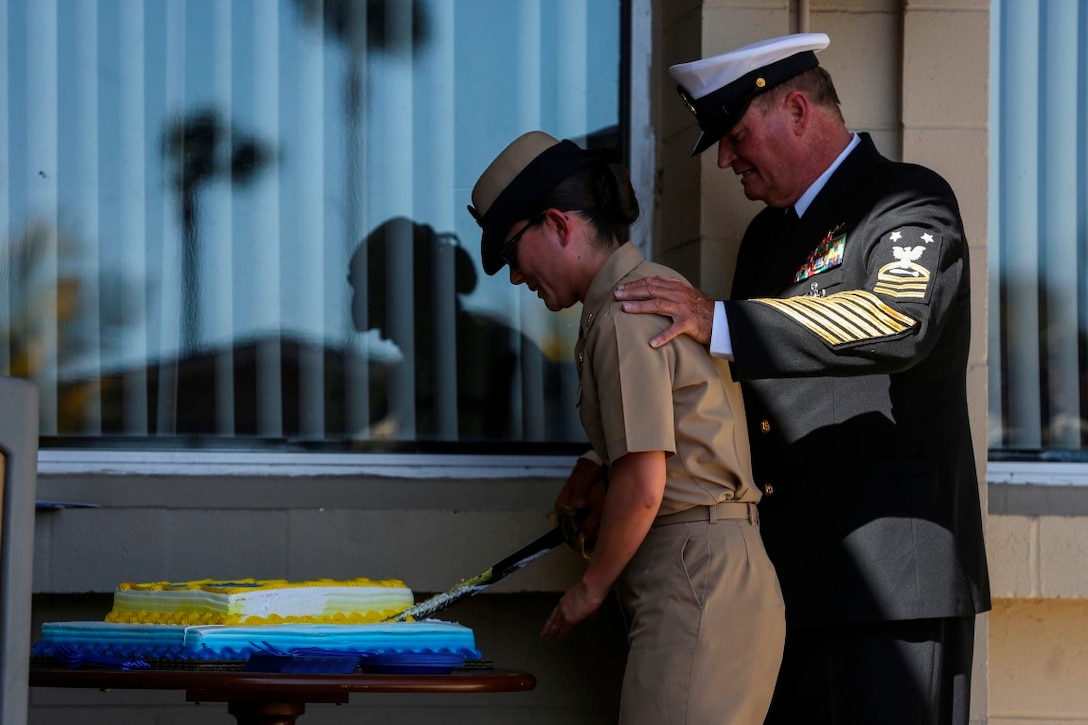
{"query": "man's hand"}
(583, 493)
(691, 312)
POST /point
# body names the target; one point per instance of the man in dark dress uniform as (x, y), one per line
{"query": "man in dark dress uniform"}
(848, 328)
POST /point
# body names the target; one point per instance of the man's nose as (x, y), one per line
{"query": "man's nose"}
(726, 157)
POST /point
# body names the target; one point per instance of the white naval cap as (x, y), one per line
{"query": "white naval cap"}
(718, 89)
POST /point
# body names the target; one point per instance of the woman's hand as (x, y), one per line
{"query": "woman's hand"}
(577, 604)
(636, 486)
(583, 493)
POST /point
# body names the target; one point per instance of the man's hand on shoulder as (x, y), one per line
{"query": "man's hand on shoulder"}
(691, 312)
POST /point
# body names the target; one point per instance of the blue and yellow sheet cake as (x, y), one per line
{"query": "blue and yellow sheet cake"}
(233, 620)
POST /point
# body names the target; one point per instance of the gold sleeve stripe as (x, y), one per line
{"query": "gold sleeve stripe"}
(911, 289)
(843, 317)
(902, 280)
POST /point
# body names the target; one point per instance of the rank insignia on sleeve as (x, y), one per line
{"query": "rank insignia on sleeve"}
(843, 318)
(907, 276)
(827, 255)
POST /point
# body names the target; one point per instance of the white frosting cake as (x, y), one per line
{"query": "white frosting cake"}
(254, 601)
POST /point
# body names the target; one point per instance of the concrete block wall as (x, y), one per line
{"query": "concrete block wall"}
(1039, 557)
(1038, 636)
(1038, 661)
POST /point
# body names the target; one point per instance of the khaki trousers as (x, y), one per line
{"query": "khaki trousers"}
(706, 626)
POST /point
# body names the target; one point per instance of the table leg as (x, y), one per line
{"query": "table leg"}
(266, 713)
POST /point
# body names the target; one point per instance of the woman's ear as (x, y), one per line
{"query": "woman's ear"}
(562, 222)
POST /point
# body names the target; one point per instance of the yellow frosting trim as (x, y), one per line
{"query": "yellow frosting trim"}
(196, 618)
(239, 586)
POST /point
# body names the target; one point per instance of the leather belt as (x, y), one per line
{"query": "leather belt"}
(723, 510)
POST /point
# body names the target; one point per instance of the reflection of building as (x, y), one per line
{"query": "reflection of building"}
(259, 388)
(287, 388)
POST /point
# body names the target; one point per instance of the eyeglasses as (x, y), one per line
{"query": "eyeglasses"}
(509, 251)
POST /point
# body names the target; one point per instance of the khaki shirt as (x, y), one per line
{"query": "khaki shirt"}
(675, 399)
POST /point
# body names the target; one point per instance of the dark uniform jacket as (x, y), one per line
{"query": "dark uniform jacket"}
(850, 339)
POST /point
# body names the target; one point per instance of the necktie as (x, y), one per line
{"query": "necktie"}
(789, 223)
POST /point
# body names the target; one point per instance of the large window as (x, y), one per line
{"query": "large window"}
(1038, 249)
(239, 221)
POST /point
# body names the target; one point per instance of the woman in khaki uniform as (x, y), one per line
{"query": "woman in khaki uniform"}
(678, 536)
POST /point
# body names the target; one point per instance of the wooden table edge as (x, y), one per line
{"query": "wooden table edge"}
(224, 686)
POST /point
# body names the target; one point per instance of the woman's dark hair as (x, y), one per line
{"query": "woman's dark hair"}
(603, 194)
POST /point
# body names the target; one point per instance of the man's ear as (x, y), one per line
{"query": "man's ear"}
(799, 110)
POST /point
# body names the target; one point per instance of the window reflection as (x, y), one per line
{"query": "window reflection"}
(460, 372)
(1038, 307)
(187, 185)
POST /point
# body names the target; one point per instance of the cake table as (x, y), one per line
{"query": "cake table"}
(264, 698)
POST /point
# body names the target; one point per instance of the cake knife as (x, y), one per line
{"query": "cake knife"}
(499, 570)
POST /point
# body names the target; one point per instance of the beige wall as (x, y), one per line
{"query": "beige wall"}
(1039, 624)
(1038, 661)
